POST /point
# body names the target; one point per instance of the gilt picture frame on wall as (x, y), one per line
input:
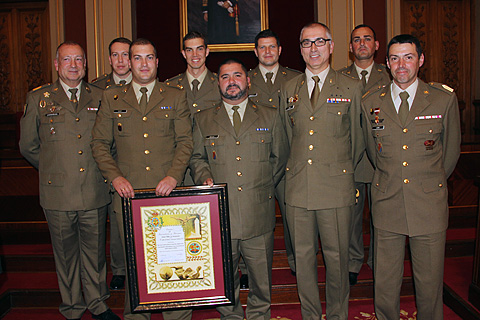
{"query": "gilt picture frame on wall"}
(178, 248)
(229, 25)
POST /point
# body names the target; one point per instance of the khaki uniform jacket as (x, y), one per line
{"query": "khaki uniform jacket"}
(208, 95)
(251, 163)
(55, 139)
(149, 145)
(259, 92)
(104, 81)
(326, 142)
(379, 76)
(413, 162)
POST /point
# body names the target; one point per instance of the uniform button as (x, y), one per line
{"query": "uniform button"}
(237, 142)
(238, 158)
(212, 143)
(82, 169)
(440, 185)
(198, 110)
(377, 184)
(269, 197)
(49, 181)
(309, 161)
(310, 147)
(405, 130)
(77, 119)
(239, 188)
(144, 118)
(262, 141)
(119, 115)
(270, 100)
(194, 105)
(405, 163)
(311, 132)
(287, 169)
(147, 168)
(312, 118)
(405, 147)
(145, 135)
(147, 151)
(344, 170)
(406, 181)
(51, 120)
(239, 174)
(339, 112)
(166, 116)
(79, 136)
(430, 131)
(80, 152)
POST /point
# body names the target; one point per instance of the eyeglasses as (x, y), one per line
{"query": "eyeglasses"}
(319, 42)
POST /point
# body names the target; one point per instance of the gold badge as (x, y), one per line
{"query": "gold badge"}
(43, 104)
(46, 94)
(115, 97)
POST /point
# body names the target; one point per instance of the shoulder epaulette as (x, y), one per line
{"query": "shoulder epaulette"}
(293, 70)
(100, 78)
(172, 79)
(441, 86)
(372, 91)
(41, 87)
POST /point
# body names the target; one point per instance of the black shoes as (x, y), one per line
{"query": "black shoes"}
(352, 278)
(117, 283)
(244, 281)
(107, 315)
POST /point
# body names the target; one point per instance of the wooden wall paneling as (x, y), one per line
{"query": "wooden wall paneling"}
(6, 61)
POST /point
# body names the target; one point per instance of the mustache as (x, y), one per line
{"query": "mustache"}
(233, 85)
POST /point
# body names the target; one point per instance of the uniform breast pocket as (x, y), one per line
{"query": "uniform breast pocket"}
(164, 122)
(427, 137)
(215, 149)
(53, 127)
(123, 124)
(261, 146)
(338, 119)
(383, 143)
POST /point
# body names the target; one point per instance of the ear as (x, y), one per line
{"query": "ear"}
(331, 46)
(184, 55)
(207, 52)
(56, 64)
(156, 62)
(421, 60)
(279, 50)
(110, 59)
(388, 63)
(256, 52)
(351, 47)
(377, 45)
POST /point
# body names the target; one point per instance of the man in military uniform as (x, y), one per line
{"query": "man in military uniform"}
(120, 75)
(221, 20)
(118, 58)
(266, 80)
(149, 123)
(243, 144)
(412, 132)
(55, 134)
(322, 117)
(363, 45)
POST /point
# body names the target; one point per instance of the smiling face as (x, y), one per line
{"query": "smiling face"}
(233, 83)
(316, 58)
(195, 53)
(143, 63)
(268, 52)
(404, 63)
(70, 64)
(363, 44)
(119, 59)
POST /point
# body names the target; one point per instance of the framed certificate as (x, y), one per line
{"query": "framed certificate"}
(178, 248)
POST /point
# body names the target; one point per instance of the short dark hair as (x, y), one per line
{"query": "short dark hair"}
(142, 42)
(118, 40)
(230, 61)
(194, 35)
(69, 43)
(267, 33)
(363, 26)
(313, 24)
(405, 38)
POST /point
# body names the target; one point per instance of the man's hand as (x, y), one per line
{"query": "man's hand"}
(208, 182)
(123, 187)
(165, 186)
(205, 16)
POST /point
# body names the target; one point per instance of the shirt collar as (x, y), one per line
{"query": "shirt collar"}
(322, 75)
(117, 79)
(359, 70)
(136, 88)
(200, 78)
(66, 87)
(412, 89)
(264, 71)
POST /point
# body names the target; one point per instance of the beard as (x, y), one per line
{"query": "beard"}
(240, 94)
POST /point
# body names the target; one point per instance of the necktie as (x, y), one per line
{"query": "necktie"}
(237, 121)
(364, 78)
(123, 82)
(269, 76)
(143, 99)
(403, 110)
(73, 97)
(195, 84)
(315, 92)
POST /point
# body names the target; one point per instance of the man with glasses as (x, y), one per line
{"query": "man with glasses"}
(363, 46)
(321, 110)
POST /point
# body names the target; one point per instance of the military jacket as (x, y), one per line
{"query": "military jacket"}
(55, 139)
(150, 145)
(379, 76)
(412, 161)
(208, 95)
(326, 142)
(251, 163)
(259, 91)
(104, 81)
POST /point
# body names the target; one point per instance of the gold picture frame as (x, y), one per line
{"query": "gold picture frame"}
(250, 17)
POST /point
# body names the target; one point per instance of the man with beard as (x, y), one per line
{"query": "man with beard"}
(363, 45)
(243, 144)
(120, 62)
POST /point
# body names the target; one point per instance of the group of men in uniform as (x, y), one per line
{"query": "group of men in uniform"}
(307, 139)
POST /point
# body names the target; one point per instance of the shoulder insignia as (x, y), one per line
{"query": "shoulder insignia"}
(107, 86)
(88, 88)
(161, 90)
(167, 83)
(56, 89)
(180, 87)
(444, 86)
(212, 78)
(426, 92)
(115, 97)
(46, 94)
(254, 73)
(375, 90)
(42, 86)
